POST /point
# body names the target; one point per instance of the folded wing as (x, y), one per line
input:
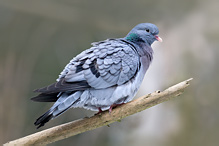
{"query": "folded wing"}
(106, 64)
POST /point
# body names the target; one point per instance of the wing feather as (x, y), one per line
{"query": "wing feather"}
(106, 64)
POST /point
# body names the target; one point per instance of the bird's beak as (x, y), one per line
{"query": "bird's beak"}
(158, 38)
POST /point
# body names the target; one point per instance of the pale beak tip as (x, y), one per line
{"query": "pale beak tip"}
(158, 38)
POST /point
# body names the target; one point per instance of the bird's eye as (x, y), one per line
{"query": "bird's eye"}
(147, 30)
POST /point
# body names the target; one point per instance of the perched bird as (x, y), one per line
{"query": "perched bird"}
(102, 77)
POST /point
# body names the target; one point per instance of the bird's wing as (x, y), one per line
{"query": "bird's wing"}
(106, 64)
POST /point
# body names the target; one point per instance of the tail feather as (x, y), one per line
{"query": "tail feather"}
(61, 105)
(43, 119)
(48, 116)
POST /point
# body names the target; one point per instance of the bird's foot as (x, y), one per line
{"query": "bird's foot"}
(99, 112)
(113, 106)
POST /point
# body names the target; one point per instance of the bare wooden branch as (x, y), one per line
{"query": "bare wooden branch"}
(82, 125)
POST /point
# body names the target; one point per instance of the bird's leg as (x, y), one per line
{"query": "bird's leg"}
(100, 111)
(113, 106)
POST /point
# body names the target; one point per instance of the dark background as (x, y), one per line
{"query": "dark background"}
(38, 38)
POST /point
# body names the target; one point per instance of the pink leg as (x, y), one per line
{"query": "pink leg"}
(100, 111)
(112, 106)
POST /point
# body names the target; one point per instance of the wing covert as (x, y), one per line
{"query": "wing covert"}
(106, 64)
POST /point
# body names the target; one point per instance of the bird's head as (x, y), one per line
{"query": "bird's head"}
(144, 32)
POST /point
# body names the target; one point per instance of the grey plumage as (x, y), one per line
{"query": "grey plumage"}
(107, 74)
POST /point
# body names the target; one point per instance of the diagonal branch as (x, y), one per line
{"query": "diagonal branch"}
(82, 125)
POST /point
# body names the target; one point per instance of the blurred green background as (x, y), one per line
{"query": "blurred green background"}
(38, 38)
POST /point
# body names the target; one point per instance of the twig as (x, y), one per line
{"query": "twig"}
(79, 126)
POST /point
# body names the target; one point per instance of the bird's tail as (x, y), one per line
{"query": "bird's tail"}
(61, 105)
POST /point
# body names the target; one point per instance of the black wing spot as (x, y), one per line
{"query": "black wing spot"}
(79, 68)
(93, 67)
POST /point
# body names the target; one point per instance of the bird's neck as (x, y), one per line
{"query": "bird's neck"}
(145, 50)
(133, 37)
(142, 47)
